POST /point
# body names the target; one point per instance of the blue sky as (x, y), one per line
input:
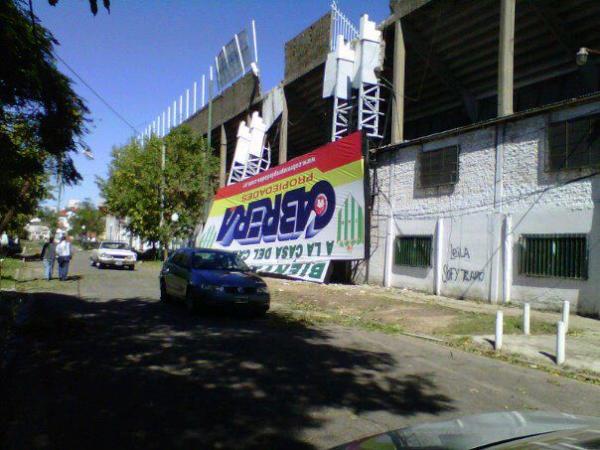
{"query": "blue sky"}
(144, 54)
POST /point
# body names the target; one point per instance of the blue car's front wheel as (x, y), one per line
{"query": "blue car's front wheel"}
(191, 302)
(164, 297)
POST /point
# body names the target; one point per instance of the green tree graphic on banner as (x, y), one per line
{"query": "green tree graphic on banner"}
(351, 223)
(208, 237)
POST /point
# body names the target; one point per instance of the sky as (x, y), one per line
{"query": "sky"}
(145, 53)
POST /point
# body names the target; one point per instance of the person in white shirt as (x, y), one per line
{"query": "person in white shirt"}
(63, 255)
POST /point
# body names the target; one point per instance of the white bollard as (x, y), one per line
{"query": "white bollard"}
(560, 342)
(526, 314)
(565, 315)
(499, 329)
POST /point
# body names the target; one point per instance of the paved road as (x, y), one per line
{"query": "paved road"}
(115, 368)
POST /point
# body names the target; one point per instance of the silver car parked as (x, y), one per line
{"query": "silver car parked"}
(113, 254)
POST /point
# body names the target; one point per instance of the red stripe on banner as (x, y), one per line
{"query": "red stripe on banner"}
(325, 158)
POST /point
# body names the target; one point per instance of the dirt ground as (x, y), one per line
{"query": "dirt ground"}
(396, 310)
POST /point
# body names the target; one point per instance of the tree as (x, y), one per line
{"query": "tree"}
(48, 216)
(136, 181)
(93, 5)
(88, 219)
(42, 120)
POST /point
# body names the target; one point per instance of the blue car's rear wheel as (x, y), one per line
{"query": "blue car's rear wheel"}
(260, 312)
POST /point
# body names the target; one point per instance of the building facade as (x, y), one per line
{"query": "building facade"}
(504, 211)
(484, 181)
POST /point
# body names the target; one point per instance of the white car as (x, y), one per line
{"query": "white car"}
(113, 254)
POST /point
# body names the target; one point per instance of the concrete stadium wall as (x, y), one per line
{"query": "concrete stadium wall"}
(502, 173)
(232, 101)
(308, 49)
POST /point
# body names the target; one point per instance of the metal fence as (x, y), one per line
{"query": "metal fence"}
(549, 255)
(414, 251)
(340, 24)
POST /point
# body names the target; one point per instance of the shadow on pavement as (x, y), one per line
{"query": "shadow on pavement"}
(136, 373)
(550, 356)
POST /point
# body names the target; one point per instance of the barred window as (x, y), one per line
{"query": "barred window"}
(560, 255)
(413, 251)
(574, 144)
(438, 167)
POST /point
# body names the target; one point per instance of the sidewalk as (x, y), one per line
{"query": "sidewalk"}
(582, 352)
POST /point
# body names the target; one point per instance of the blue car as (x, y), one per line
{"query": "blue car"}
(212, 278)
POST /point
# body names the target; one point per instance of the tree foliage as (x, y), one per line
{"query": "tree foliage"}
(133, 187)
(93, 5)
(88, 220)
(48, 216)
(42, 119)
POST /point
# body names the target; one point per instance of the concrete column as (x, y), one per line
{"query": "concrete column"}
(223, 157)
(283, 133)
(439, 256)
(495, 225)
(508, 259)
(391, 228)
(506, 57)
(398, 98)
(389, 250)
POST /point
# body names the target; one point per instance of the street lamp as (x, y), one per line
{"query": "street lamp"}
(174, 217)
(582, 55)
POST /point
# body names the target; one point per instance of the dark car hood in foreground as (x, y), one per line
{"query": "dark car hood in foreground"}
(228, 278)
(473, 431)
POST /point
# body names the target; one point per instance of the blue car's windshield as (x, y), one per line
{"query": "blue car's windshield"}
(218, 261)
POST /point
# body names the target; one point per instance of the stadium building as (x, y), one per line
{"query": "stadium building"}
(484, 167)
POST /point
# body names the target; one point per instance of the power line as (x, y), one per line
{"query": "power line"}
(79, 77)
(108, 105)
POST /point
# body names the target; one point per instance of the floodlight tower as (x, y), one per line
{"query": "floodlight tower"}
(251, 155)
(259, 155)
(368, 61)
(353, 67)
(338, 84)
(240, 156)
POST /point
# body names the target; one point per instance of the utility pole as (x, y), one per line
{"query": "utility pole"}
(210, 88)
(163, 160)
(59, 187)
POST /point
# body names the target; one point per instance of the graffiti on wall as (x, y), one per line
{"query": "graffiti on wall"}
(452, 273)
(459, 252)
(458, 274)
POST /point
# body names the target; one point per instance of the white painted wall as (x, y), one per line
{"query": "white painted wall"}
(502, 171)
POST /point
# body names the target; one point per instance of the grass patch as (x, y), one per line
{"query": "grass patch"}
(8, 270)
(41, 284)
(303, 313)
(469, 323)
(32, 247)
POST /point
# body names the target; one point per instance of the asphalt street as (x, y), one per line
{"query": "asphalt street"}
(106, 365)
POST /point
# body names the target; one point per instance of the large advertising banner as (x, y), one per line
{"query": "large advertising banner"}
(295, 218)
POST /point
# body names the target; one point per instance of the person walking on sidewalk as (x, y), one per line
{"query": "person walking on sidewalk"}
(63, 255)
(48, 255)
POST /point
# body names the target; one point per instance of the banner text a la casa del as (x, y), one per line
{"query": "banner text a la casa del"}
(295, 218)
